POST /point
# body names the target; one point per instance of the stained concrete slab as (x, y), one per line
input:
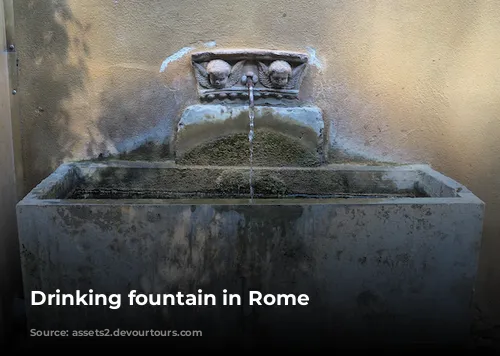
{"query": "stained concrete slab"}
(284, 135)
(391, 269)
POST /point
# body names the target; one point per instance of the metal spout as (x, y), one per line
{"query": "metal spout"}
(250, 79)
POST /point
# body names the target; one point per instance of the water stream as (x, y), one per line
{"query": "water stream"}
(251, 115)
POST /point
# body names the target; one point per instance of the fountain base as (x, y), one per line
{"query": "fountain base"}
(386, 253)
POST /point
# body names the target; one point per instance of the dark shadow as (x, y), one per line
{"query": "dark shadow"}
(137, 111)
(140, 109)
(47, 77)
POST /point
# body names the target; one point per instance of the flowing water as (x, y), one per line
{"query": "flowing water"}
(251, 115)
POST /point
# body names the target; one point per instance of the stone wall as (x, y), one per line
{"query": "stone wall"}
(412, 81)
(9, 262)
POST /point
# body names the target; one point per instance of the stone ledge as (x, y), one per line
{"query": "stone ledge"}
(205, 127)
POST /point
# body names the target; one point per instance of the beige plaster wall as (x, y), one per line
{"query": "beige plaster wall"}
(401, 80)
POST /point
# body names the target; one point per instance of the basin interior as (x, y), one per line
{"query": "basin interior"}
(159, 181)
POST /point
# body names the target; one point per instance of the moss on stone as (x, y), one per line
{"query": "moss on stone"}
(232, 182)
(269, 184)
(236, 182)
(269, 149)
(150, 151)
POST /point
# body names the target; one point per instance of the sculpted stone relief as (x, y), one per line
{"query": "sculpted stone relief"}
(219, 74)
(280, 75)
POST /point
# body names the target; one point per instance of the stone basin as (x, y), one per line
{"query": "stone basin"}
(383, 252)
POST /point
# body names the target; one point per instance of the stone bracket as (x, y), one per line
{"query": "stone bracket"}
(219, 73)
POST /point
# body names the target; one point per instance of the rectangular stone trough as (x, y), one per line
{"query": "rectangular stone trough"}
(384, 253)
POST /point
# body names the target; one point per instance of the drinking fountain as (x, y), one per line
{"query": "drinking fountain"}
(252, 202)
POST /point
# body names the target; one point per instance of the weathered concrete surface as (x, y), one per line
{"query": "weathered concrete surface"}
(218, 135)
(10, 273)
(374, 269)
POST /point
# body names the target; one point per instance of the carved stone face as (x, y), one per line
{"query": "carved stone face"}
(218, 73)
(279, 79)
(279, 73)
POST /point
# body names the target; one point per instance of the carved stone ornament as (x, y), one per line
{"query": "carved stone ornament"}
(221, 74)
